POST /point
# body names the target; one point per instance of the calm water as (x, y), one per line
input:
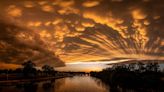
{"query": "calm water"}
(70, 84)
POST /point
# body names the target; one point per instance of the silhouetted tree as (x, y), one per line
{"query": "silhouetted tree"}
(134, 76)
(48, 69)
(132, 66)
(29, 69)
(152, 67)
(120, 67)
(18, 70)
(141, 67)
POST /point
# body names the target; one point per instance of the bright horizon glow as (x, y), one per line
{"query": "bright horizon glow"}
(88, 66)
(98, 62)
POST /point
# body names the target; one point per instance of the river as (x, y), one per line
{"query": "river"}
(68, 84)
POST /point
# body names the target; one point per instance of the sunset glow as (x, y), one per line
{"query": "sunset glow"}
(80, 34)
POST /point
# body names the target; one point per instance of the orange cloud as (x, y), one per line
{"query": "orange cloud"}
(45, 34)
(42, 2)
(107, 19)
(113, 28)
(138, 14)
(87, 24)
(25, 37)
(146, 22)
(48, 23)
(9, 66)
(67, 7)
(47, 8)
(73, 57)
(91, 3)
(34, 24)
(28, 4)
(57, 21)
(14, 11)
(68, 10)
(66, 3)
(61, 32)
(79, 28)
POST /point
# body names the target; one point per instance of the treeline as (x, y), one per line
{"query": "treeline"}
(136, 76)
(28, 70)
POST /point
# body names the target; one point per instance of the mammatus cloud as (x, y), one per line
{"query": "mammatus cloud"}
(91, 3)
(14, 11)
(47, 8)
(83, 30)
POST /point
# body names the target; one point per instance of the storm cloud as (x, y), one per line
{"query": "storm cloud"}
(81, 30)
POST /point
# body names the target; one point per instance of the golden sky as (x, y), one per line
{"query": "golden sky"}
(65, 31)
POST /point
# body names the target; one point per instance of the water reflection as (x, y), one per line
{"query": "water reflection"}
(81, 84)
(48, 87)
(70, 84)
(31, 87)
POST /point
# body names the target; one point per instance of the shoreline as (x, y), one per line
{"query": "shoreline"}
(24, 81)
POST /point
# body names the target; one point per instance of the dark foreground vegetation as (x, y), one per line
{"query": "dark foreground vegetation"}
(28, 71)
(134, 77)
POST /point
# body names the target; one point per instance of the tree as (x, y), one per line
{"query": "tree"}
(141, 67)
(48, 69)
(132, 66)
(120, 67)
(29, 69)
(152, 67)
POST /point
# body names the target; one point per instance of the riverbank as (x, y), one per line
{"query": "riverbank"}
(35, 79)
(138, 77)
